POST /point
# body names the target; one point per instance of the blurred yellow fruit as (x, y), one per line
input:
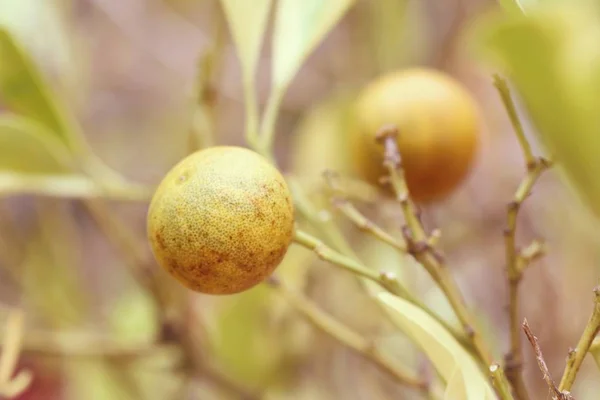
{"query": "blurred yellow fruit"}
(221, 220)
(437, 121)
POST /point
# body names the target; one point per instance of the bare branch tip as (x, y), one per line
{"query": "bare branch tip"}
(386, 132)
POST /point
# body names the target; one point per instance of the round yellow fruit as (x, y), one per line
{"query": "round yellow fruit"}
(438, 132)
(221, 220)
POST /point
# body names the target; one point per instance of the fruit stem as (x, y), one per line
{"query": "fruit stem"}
(343, 334)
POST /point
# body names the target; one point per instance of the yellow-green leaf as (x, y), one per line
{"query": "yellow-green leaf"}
(512, 6)
(243, 343)
(553, 58)
(247, 22)
(133, 317)
(396, 32)
(299, 27)
(526, 6)
(445, 353)
(23, 89)
(28, 147)
(25, 19)
(50, 269)
(94, 379)
(67, 186)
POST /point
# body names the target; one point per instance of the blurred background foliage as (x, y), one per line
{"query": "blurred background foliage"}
(100, 98)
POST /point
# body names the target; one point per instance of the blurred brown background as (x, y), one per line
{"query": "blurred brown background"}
(129, 69)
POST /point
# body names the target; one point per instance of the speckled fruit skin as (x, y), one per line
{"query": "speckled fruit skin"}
(221, 220)
(437, 120)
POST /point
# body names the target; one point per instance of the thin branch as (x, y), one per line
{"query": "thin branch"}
(419, 247)
(504, 91)
(556, 393)
(224, 382)
(366, 348)
(78, 346)
(387, 280)
(517, 262)
(577, 355)
(209, 66)
(266, 135)
(366, 225)
(340, 201)
(340, 246)
(500, 382)
(124, 240)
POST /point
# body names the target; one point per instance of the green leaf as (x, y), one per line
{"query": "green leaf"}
(396, 33)
(299, 27)
(24, 91)
(453, 363)
(247, 22)
(28, 147)
(553, 58)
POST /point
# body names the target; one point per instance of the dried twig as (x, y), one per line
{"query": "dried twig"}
(517, 261)
(418, 243)
(556, 393)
